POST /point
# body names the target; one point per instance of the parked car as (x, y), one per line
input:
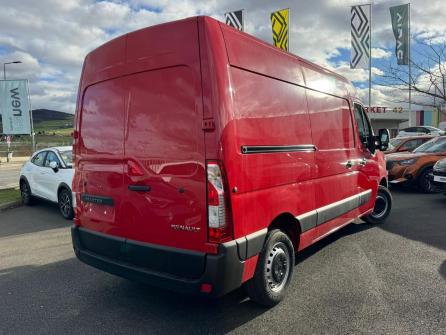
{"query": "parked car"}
(49, 175)
(417, 166)
(403, 144)
(420, 130)
(219, 160)
(439, 175)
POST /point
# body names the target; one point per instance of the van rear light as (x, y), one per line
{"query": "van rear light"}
(219, 227)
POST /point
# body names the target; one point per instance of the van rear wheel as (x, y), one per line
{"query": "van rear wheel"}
(383, 206)
(274, 270)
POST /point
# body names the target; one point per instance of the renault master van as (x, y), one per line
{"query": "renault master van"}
(205, 159)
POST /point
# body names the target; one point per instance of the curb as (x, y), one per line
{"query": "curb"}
(9, 205)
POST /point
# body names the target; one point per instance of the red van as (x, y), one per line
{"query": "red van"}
(206, 158)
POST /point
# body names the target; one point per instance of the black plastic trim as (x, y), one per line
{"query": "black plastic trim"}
(139, 188)
(261, 149)
(134, 260)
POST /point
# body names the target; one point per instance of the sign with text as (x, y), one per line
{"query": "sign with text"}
(384, 110)
(14, 107)
(400, 24)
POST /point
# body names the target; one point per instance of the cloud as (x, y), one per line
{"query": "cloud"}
(52, 37)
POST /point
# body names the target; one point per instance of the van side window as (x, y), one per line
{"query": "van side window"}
(363, 124)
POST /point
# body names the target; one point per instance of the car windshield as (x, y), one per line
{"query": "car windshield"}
(435, 145)
(394, 142)
(67, 157)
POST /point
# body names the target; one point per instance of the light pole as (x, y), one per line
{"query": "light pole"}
(4, 67)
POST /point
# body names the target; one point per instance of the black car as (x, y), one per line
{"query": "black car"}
(439, 175)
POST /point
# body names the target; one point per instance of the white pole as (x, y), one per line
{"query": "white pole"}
(410, 78)
(370, 61)
(31, 118)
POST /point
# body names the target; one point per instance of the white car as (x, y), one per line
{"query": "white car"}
(49, 175)
(420, 130)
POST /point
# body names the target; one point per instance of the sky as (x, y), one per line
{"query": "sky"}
(52, 37)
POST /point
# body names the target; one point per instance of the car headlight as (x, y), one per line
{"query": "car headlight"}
(407, 161)
(440, 165)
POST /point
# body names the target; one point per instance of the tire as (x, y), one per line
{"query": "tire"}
(424, 181)
(274, 270)
(65, 203)
(25, 193)
(383, 207)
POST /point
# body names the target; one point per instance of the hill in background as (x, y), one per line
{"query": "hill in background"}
(48, 121)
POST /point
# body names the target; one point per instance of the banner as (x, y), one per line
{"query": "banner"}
(360, 31)
(235, 19)
(14, 107)
(279, 25)
(400, 26)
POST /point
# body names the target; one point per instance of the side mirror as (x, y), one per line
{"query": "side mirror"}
(383, 139)
(54, 166)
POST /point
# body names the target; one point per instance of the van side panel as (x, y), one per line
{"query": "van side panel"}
(273, 113)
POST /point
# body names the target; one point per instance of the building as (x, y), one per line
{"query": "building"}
(397, 118)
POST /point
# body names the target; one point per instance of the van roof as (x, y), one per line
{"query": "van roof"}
(114, 54)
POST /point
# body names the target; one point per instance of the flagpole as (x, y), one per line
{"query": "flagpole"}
(370, 61)
(410, 76)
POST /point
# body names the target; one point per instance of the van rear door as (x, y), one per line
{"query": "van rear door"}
(142, 158)
(164, 149)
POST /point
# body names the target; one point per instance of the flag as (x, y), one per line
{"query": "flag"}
(14, 107)
(279, 25)
(235, 19)
(400, 26)
(360, 31)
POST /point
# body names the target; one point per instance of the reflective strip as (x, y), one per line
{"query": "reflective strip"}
(326, 213)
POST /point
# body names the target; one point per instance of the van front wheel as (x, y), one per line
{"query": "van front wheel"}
(383, 206)
(274, 270)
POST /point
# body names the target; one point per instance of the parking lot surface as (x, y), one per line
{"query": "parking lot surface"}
(387, 279)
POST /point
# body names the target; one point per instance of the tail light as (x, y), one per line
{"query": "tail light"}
(219, 224)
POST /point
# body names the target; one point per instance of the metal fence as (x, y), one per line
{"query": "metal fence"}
(20, 149)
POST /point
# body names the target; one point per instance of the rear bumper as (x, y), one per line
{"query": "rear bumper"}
(439, 186)
(168, 268)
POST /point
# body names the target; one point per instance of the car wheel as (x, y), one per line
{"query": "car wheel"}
(25, 192)
(425, 181)
(65, 204)
(382, 208)
(274, 270)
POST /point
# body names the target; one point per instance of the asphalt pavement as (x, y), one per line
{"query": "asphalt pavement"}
(364, 279)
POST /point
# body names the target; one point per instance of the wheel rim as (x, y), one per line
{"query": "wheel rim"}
(24, 191)
(65, 203)
(381, 206)
(277, 267)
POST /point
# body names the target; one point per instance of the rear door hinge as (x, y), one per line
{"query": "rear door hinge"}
(208, 125)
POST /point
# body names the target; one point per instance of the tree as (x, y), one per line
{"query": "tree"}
(428, 77)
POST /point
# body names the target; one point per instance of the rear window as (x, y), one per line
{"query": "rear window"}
(39, 158)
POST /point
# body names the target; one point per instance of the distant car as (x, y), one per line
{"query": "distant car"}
(402, 144)
(420, 130)
(49, 175)
(416, 167)
(439, 175)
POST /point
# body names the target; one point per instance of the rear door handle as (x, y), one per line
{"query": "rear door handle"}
(349, 165)
(139, 188)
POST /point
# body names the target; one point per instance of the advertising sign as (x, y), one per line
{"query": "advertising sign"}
(400, 25)
(14, 107)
